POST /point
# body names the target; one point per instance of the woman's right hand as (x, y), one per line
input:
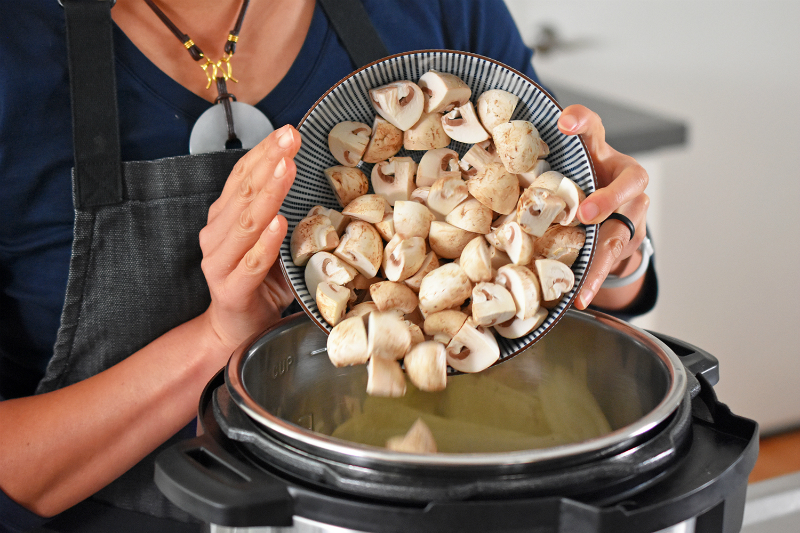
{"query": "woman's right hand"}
(242, 239)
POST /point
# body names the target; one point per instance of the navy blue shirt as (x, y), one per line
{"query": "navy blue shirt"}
(156, 117)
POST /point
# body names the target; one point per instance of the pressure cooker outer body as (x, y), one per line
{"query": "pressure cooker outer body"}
(692, 465)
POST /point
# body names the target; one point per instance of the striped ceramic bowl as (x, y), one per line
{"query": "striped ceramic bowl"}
(349, 100)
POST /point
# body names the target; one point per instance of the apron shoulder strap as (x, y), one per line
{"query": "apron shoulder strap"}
(352, 24)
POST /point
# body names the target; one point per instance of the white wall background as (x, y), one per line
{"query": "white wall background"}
(725, 208)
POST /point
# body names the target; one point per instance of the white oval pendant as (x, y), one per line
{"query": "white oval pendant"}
(210, 132)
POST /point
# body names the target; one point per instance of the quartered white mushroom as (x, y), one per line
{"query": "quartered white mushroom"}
(427, 134)
(394, 179)
(495, 106)
(555, 278)
(572, 195)
(489, 181)
(519, 145)
(444, 288)
(385, 378)
(442, 326)
(445, 194)
(562, 243)
(519, 327)
(332, 300)
(498, 257)
(521, 282)
(476, 261)
(347, 142)
(311, 235)
(430, 263)
(347, 342)
(361, 311)
(324, 266)
(401, 103)
(471, 215)
(361, 247)
(389, 295)
(526, 178)
(537, 209)
(416, 333)
(462, 125)
(447, 240)
(435, 164)
(473, 348)
(443, 91)
(403, 257)
(368, 207)
(426, 366)
(549, 180)
(412, 219)
(419, 439)
(516, 243)
(420, 195)
(338, 220)
(385, 141)
(387, 335)
(386, 226)
(492, 304)
(347, 183)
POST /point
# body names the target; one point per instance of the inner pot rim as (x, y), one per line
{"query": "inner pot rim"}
(356, 453)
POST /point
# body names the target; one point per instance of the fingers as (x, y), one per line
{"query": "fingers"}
(620, 178)
(614, 244)
(257, 261)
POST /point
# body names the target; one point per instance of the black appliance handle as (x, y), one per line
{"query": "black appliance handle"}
(211, 484)
(697, 361)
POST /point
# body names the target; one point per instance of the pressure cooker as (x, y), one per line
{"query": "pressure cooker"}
(598, 427)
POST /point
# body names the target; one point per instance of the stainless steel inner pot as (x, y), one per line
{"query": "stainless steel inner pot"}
(621, 383)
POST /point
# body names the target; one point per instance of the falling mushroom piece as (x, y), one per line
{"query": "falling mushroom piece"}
(419, 439)
(347, 342)
(388, 336)
(347, 142)
(385, 377)
(426, 366)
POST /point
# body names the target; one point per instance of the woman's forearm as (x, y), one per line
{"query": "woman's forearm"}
(59, 448)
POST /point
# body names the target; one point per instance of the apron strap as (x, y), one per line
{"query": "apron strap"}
(352, 24)
(93, 92)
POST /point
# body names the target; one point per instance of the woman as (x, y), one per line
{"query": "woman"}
(106, 315)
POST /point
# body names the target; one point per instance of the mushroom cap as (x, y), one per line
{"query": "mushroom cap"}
(386, 140)
(394, 179)
(430, 263)
(401, 103)
(347, 141)
(362, 311)
(537, 209)
(521, 282)
(332, 300)
(443, 325)
(462, 125)
(473, 349)
(361, 247)
(347, 342)
(368, 207)
(446, 193)
(519, 327)
(471, 215)
(419, 439)
(347, 183)
(427, 134)
(555, 278)
(426, 366)
(389, 295)
(492, 304)
(385, 378)
(444, 288)
(443, 91)
(435, 164)
(519, 145)
(388, 335)
(324, 266)
(495, 106)
(476, 261)
(447, 240)
(311, 235)
(496, 189)
(412, 219)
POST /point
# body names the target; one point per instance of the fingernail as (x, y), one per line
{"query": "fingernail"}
(589, 211)
(274, 225)
(280, 169)
(585, 297)
(285, 139)
(568, 122)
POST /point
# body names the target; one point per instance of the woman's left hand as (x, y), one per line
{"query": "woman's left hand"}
(621, 185)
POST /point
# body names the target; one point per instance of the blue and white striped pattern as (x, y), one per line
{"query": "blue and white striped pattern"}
(349, 100)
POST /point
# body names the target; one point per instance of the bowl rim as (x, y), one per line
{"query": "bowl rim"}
(591, 252)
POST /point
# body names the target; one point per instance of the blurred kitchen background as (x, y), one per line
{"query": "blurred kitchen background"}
(719, 80)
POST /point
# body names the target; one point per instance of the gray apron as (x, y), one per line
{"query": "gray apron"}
(135, 266)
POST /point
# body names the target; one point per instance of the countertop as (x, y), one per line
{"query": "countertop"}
(773, 506)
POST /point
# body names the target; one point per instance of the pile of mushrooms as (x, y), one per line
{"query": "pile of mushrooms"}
(444, 253)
